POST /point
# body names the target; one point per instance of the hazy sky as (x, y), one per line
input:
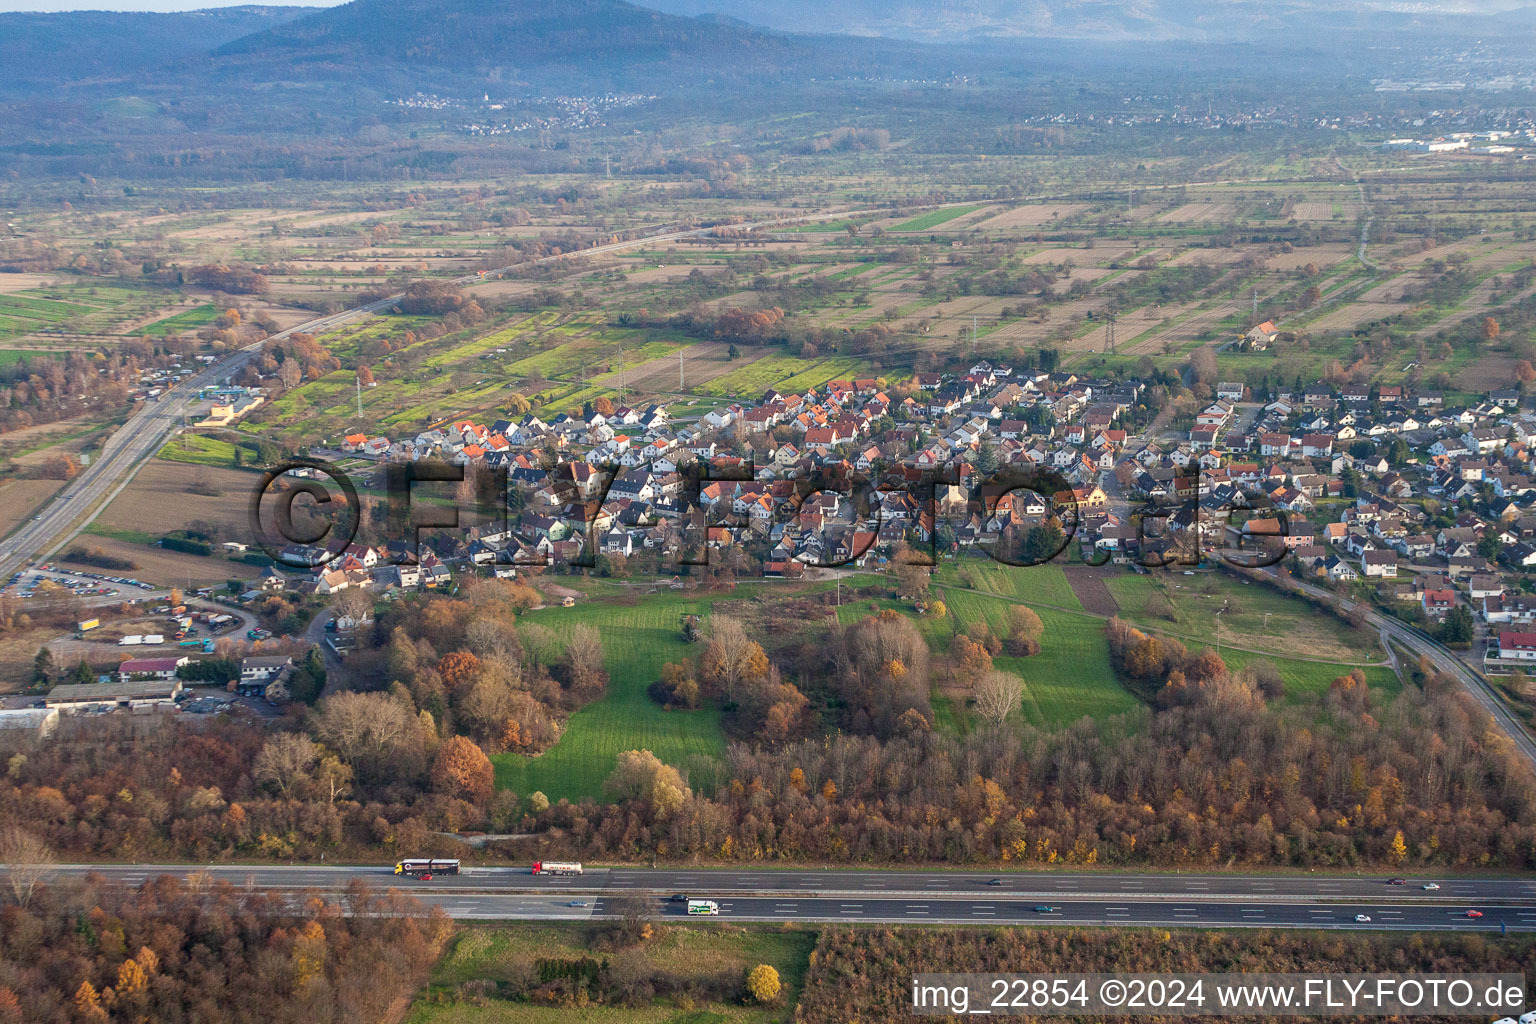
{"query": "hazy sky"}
(146, 5)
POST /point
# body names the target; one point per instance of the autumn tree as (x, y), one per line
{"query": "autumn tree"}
(642, 776)
(1491, 329)
(763, 983)
(971, 659)
(462, 769)
(1024, 631)
(458, 669)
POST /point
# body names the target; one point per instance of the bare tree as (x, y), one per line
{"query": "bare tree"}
(998, 695)
(352, 603)
(27, 859)
(539, 644)
(1202, 364)
(634, 913)
(725, 660)
(492, 639)
(360, 725)
(284, 761)
(583, 654)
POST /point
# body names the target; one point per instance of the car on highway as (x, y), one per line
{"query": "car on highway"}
(426, 877)
(1044, 908)
(1398, 881)
(576, 903)
(677, 897)
(994, 881)
(1431, 886)
(1362, 918)
(1474, 913)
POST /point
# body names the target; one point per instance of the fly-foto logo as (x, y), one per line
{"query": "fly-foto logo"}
(828, 517)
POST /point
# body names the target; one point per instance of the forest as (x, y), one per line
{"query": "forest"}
(84, 951)
(862, 974)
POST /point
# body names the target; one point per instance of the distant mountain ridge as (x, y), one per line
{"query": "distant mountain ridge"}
(1206, 21)
(595, 41)
(393, 46)
(47, 49)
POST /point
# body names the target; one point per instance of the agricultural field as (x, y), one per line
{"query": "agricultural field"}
(1309, 680)
(75, 312)
(201, 450)
(1034, 585)
(187, 320)
(787, 373)
(1255, 616)
(929, 221)
(160, 497)
(19, 498)
(905, 291)
(495, 954)
(167, 568)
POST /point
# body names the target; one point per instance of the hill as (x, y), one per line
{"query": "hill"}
(596, 43)
(40, 50)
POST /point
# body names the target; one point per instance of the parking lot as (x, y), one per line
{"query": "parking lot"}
(28, 584)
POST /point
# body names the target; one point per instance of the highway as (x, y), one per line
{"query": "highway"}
(1442, 659)
(944, 897)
